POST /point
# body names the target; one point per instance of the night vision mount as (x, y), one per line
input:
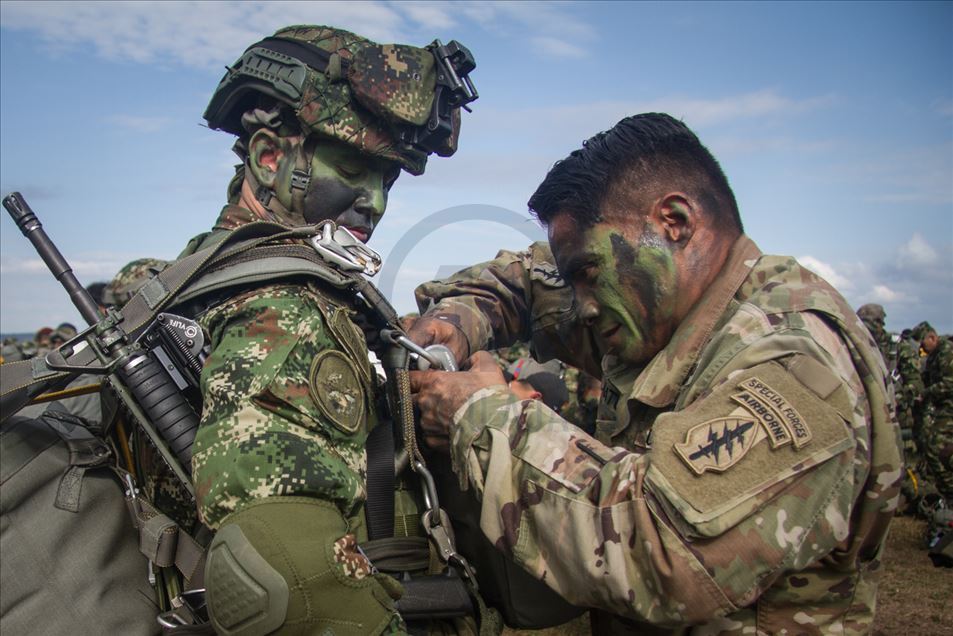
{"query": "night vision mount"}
(454, 89)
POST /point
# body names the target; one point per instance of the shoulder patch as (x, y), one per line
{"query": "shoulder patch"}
(547, 274)
(336, 389)
(755, 430)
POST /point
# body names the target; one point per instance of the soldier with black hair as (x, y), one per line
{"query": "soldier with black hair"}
(746, 462)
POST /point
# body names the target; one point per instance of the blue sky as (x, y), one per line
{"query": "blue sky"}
(833, 122)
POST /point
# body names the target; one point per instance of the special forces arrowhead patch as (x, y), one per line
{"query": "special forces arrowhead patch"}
(718, 444)
(336, 389)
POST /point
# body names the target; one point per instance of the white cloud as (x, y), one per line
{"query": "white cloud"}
(194, 34)
(94, 268)
(139, 123)
(827, 272)
(903, 176)
(429, 15)
(762, 103)
(916, 253)
(883, 294)
(558, 47)
(943, 107)
(207, 35)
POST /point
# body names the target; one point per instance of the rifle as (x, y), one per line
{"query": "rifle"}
(152, 370)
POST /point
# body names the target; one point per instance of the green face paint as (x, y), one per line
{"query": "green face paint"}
(347, 187)
(628, 276)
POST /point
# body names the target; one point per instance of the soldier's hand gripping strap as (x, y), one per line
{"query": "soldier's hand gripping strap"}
(278, 562)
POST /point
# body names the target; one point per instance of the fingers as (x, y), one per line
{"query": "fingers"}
(426, 331)
(481, 361)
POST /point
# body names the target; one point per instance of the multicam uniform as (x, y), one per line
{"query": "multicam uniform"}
(938, 395)
(742, 481)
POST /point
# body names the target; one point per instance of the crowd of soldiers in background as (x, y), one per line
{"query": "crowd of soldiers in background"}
(919, 360)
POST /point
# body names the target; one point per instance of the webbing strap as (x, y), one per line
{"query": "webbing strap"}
(164, 543)
(380, 482)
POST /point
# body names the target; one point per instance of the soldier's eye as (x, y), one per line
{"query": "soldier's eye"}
(349, 172)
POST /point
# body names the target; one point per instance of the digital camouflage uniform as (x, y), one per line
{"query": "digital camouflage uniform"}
(938, 395)
(742, 481)
(287, 390)
(288, 394)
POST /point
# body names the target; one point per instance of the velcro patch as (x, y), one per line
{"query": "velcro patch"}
(711, 456)
(336, 390)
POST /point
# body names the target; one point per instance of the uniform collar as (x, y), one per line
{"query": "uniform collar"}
(660, 381)
(233, 216)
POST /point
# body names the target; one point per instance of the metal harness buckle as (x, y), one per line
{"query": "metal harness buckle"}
(341, 248)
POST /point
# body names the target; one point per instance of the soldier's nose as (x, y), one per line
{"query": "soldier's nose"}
(588, 312)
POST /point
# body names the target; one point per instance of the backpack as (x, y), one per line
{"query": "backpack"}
(71, 559)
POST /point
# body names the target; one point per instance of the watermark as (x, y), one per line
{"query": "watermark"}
(442, 219)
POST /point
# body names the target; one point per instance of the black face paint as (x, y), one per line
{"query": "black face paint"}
(327, 199)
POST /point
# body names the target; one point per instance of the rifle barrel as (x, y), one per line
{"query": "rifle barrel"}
(31, 227)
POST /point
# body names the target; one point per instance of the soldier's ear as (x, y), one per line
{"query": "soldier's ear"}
(265, 155)
(677, 216)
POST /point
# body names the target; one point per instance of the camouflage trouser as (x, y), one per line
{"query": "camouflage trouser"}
(938, 454)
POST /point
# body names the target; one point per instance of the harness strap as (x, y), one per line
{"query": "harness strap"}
(380, 483)
(164, 543)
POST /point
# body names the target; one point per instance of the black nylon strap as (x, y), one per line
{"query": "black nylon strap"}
(315, 57)
(380, 482)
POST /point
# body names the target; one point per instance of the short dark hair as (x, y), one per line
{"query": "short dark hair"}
(641, 153)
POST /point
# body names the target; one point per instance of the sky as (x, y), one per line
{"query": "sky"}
(832, 121)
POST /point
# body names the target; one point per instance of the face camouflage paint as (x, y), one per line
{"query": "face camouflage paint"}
(347, 187)
(626, 278)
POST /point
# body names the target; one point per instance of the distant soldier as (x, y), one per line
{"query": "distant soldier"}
(938, 395)
(873, 316)
(129, 279)
(902, 360)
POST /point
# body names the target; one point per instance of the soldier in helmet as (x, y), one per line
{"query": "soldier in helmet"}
(129, 279)
(873, 316)
(325, 121)
(938, 395)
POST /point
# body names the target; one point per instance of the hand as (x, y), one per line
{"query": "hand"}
(439, 394)
(426, 331)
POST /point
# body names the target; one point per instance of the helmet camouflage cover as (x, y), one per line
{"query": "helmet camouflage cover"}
(340, 85)
(872, 313)
(130, 279)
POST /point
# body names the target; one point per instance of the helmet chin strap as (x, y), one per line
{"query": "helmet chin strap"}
(300, 182)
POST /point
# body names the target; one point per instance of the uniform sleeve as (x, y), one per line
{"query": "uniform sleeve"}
(516, 297)
(908, 361)
(285, 404)
(747, 483)
(939, 385)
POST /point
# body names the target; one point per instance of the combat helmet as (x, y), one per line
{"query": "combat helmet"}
(872, 313)
(130, 279)
(921, 330)
(393, 101)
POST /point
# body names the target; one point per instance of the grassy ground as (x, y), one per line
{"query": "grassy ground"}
(915, 597)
